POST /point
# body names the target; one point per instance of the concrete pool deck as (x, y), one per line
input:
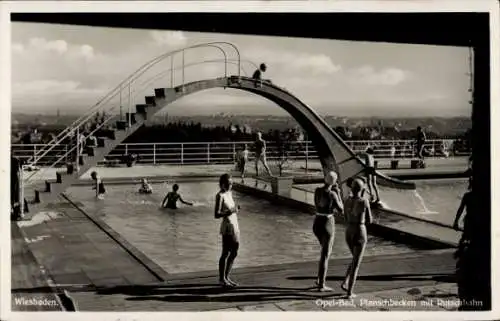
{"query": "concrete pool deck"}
(79, 252)
(434, 166)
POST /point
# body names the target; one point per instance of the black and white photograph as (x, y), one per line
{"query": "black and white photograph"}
(226, 161)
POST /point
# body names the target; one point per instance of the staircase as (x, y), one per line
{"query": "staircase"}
(47, 191)
(43, 193)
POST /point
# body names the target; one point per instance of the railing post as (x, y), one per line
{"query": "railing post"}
(34, 154)
(77, 149)
(172, 71)
(183, 70)
(234, 152)
(129, 108)
(182, 154)
(307, 156)
(121, 112)
(126, 149)
(154, 154)
(21, 191)
(208, 152)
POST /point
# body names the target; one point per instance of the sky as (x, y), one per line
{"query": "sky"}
(71, 67)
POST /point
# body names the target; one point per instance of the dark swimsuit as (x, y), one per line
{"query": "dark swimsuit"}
(356, 230)
(257, 74)
(172, 200)
(101, 188)
(259, 148)
(323, 225)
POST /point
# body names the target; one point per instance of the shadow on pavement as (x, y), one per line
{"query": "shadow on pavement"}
(215, 293)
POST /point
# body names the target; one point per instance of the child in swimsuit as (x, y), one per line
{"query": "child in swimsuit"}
(145, 188)
(357, 214)
(257, 75)
(99, 185)
(170, 200)
(226, 208)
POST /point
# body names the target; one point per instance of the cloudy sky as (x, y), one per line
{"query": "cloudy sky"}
(71, 67)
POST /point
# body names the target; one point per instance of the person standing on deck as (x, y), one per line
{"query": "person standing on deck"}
(419, 143)
(226, 208)
(357, 215)
(370, 174)
(327, 201)
(465, 204)
(242, 159)
(393, 151)
(260, 154)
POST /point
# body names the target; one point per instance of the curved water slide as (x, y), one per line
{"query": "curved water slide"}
(344, 160)
(333, 152)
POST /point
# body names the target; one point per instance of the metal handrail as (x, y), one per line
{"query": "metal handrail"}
(358, 142)
(77, 123)
(110, 95)
(162, 74)
(68, 152)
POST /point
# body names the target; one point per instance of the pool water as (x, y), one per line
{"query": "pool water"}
(187, 239)
(436, 200)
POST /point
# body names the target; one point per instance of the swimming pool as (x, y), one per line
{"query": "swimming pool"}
(187, 239)
(436, 200)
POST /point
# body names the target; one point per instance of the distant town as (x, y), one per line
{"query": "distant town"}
(352, 127)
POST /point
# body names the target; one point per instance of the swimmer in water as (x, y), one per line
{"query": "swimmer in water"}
(226, 208)
(145, 188)
(170, 200)
(357, 215)
(327, 201)
(99, 185)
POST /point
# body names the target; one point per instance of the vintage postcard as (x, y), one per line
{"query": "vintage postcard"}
(229, 157)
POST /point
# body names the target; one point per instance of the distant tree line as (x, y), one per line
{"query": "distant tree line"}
(196, 132)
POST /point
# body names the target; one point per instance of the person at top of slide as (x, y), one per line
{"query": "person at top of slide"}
(100, 190)
(357, 214)
(257, 75)
(170, 200)
(145, 188)
(327, 201)
(260, 154)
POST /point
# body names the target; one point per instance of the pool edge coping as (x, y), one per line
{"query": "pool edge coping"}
(418, 241)
(156, 270)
